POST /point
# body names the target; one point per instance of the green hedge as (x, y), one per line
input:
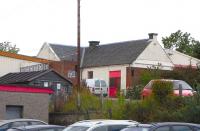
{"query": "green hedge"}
(161, 90)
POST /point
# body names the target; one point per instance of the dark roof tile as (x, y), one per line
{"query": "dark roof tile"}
(18, 77)
(114, 54)
(65, 52)
(110, 54)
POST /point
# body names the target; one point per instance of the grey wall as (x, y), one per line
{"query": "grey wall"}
(35, 105)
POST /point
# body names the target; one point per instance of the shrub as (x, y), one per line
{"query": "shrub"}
(87, 102)
(161, 90)
(149, 74)
(115, 109)
(141, 110)
(134, 92)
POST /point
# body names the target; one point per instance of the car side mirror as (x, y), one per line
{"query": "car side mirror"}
(194, 91)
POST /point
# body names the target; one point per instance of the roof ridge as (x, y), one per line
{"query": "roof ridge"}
(113, 43)
(99, 45)
(61, 45)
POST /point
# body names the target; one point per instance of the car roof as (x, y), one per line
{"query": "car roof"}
(2, 122)
(174, 123)
(90, 123)
(38, 126)
(164, 124)
(165, 80)
(141, 125)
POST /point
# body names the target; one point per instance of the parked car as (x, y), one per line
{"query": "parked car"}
(186, 88)
(100, 125)
(7, 124)
(97, 86)
(38, 128)
(165, 126)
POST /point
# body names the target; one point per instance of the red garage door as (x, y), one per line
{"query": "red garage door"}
(115, 83)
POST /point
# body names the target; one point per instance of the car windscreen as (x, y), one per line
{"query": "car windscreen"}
(136, 129)
(103, 83)
(185, 86)
(148, 86)
(76, 128)
(13, 129)
(97, 83)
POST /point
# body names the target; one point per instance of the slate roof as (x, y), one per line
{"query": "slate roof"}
(114, 54)
(109, 54)
(65, 52)
(23, 77)
(19, 77)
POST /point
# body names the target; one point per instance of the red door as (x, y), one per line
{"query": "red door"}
(115, 82)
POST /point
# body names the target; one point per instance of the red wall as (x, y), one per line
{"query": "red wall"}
(63, 67)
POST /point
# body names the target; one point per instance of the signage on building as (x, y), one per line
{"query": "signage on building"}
(38, 67)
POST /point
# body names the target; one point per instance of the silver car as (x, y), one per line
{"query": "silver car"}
(100, 125)
(7, 124)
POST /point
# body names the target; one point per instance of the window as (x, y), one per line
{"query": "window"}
(47, 130)
(4, 127)
(164, 128)
(90, 74)
(97, 83)
(116, 127)
(19, 123)
(58, 85)
(76, 128)
(103, 83)
(196, 129)
(71, 74)
(181, 128)
(136, 129)
(37, 123)
(46, 84)
(37, 83)
(185, 86)
(101, 128)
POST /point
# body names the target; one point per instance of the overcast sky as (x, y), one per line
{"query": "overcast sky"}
(30, 23)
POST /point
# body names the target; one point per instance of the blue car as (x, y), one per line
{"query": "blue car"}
(164, 126)
(38, 128)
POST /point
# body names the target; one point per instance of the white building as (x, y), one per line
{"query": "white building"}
(118, 63)
(10, 62)
(182, 60)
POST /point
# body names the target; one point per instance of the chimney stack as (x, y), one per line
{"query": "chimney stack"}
(153, 36)
(93, 43)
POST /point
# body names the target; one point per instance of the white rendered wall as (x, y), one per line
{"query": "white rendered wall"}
(153, 55)
(47, 53)
(8, 65)
(103, 73)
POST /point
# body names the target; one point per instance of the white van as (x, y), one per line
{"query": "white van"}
(97, 86)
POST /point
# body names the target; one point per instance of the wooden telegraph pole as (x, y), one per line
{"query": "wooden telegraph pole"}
(78, 55)
(78, 43)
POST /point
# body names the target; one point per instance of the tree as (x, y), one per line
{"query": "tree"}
(6, 46)
(197, 50)
(182, 42)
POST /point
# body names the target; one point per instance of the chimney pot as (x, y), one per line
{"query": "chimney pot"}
(153, 36)
(93, 43)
